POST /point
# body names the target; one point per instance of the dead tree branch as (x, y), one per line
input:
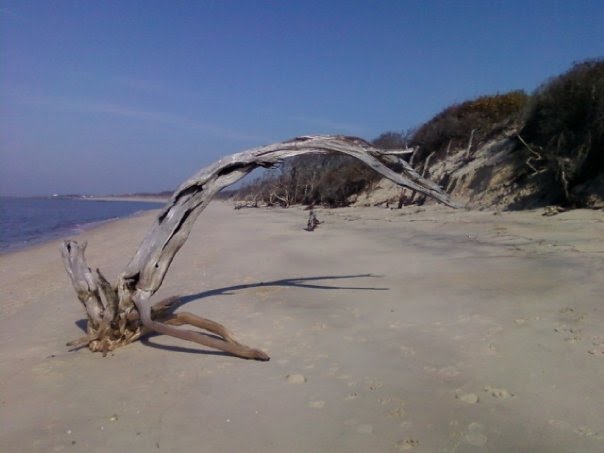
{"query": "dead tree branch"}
(313, 222)
(424, 173)
(469, 148)
(398, 152)
(535, 156)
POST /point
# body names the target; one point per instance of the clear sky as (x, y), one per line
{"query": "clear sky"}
(128, 96)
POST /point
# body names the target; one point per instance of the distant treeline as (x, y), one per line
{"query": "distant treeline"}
(561, 124)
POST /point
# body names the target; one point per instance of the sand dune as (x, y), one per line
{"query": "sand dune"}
(423, 330)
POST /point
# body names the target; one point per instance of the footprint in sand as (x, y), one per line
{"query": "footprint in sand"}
(449, 371)
(407, 351)
(571, 333)
(318, 326)
(296, 378)
(316, 404)
(587, 432)
(488, 349)
(397, 406)
(390, 400)
(598, 342)
(372, 384)
(583, 431)
(469, 398)
(442, 372)
(407, 444)
(498, 393)
(475, 435)
(568, 314)
(332, 370)
(398, 412)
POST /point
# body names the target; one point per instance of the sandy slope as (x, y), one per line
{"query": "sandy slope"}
(437, 330)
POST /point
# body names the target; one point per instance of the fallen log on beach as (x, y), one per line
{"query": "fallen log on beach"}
(121, 313)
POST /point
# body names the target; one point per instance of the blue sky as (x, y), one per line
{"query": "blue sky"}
(130, 96)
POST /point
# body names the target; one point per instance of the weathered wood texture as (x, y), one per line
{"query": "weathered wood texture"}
(120, 314)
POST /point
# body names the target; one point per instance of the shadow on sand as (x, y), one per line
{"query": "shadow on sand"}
(301, 282)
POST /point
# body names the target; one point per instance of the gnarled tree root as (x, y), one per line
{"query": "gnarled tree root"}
(225, 341)
(162, 320)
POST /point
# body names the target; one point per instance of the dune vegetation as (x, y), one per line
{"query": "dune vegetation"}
(508, 150)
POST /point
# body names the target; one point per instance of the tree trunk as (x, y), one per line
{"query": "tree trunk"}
(119, 314)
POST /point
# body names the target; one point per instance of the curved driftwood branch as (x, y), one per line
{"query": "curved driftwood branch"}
(121, 314)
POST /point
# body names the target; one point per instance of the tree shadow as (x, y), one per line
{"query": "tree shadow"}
(82, 324)
(301, 282)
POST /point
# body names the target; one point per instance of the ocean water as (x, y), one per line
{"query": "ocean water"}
(29, 221)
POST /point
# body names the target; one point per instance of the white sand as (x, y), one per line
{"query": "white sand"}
(430, 331)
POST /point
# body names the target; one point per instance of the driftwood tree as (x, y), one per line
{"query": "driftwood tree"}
(119, 314)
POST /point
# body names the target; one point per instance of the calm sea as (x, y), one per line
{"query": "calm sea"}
(28, 221)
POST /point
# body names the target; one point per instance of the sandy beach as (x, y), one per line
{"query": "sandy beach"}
(422, 329)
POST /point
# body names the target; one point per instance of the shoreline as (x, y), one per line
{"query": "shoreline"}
(77, 228)
(80, 230)
(428, 329)
(135, 198)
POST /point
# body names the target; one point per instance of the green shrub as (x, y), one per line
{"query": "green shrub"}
(453, 126)
(565, 121)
